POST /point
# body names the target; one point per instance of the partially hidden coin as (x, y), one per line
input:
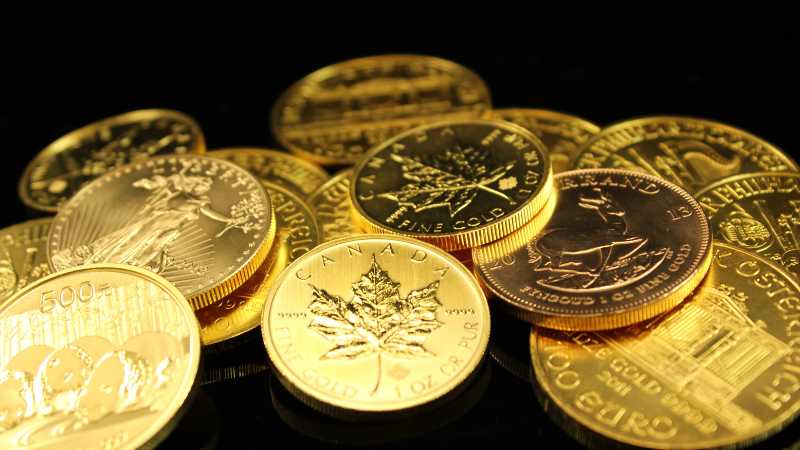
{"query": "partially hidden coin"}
(281, 168)
(23, 255)
(456, 184)
(718, 371)
(77, 158)
(202, 223)
(375, 326)
(100, 356)
(620, 248)
(332, 209)
(691, 153)
(334, 115)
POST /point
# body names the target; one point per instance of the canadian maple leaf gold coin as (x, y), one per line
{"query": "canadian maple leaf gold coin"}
(336, 114)
(719, 371)
(375, 324)
(23, 255)
(455, 184)
(202, 223)
(77, 158)
(332, 209)
(98, 356)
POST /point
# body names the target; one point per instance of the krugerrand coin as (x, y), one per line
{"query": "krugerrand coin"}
(240, 311)
(561, 133)
(372, 326)
(691, 153)
(99, 356)
(620, 248)
(77, 158)
(272, 166)
(718, 371)
(759, 212)
(202, 223)
(334, 115)
(454, 184)
(23, 255)
(331, 205)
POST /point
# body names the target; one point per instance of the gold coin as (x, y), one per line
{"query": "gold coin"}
(331, 205)
(272, 166)
(374, 324)
(454, 184)
(75, 159)
(240, 311)
(23, 255)
(718, 371)
(759, 212)
(691, 153)
(101, 356)
(202, 223)
(334, 115)
(620, 248)
(561, 133)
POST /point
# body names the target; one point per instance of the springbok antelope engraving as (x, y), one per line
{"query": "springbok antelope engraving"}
(578, 258)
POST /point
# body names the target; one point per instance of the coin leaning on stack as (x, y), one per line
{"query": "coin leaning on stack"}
(658, 319)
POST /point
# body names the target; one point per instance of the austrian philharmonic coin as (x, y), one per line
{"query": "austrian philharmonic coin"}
(620, 248)
(331, 205)
(202, 223)
(271, 166)
(77, 158)
(561, 133)
(691, 153)
(718, 371)
(240, 311)
(759, 212)
(100, 356)
(373, 325)
(334, 115)
(23, 255)
(454, 184)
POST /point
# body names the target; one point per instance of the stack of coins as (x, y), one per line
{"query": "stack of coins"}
(655, 261)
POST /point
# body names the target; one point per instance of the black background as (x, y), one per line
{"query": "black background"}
(739, 75)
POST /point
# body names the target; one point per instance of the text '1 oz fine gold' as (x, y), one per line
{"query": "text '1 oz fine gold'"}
(453, 184)
(375, 324)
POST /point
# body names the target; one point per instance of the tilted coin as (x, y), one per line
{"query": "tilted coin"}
(331, 205)
(374, 324)
(759, 212)
(620, 248)
(334, 115)
(101, 356)
(202, 223)
(562, 134)
(691, 153)
(23, 255)
(240, 311)
(718, 371)
(77, 158)
(272, 166)
(454, 184)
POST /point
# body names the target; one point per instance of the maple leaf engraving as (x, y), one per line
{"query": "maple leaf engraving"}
(376, 320)
(450, 180)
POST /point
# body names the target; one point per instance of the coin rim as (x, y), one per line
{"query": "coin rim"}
(15, 228)
(336, 178)
(592, 129)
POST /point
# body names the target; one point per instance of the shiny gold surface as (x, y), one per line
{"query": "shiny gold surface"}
(272, 166)
(691, 153)
(562, 134)
(77, 158)
(374, 324)
(620, 248)
(240, 311)
(23, 255)
(101, 356)
(202, 223)
(455, 184)
(332, 209)
(759, 212)
(718, 371)
(334, 115)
